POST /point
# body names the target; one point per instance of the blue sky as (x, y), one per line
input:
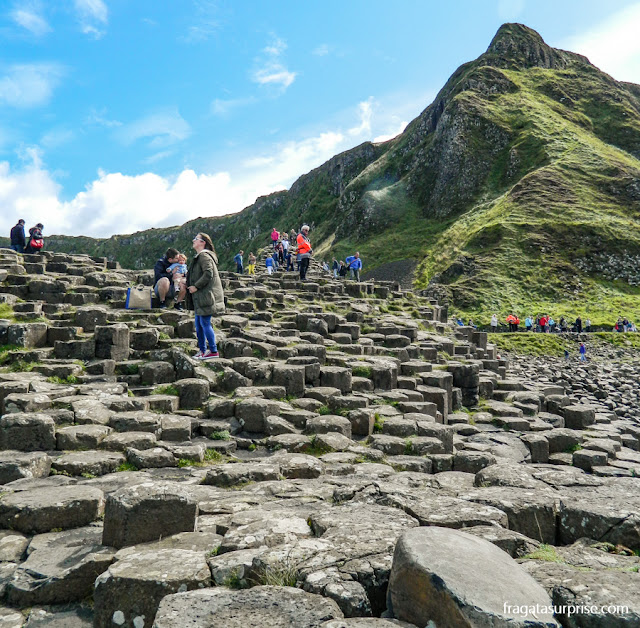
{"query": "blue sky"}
(120, 115)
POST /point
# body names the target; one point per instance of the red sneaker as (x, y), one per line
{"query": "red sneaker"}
(207, 355)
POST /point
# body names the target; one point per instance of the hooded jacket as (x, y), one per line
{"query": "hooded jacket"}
(208, 300)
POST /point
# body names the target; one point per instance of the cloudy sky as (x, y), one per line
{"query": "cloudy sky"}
(117, 116)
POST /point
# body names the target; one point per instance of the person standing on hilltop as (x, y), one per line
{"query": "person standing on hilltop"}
(206, 292)
(304, 251)
(18, 239)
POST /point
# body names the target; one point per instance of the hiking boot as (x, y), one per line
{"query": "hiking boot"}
(208, 355)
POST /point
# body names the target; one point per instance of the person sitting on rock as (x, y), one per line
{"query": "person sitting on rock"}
(179, 279)
(163, 278)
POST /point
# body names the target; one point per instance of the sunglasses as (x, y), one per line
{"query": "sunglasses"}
(198, 240)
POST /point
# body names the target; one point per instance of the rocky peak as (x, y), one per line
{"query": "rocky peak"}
(518, 46)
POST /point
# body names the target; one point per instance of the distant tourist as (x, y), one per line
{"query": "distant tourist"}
(579, 325)
(587, 325)
(336, 267)
(304, 251)
(355, 266)
(563, 324)
(288, 258)
(528, 323)
(275, 236)
(251, 266)
(274, 257)
(18, 238)
(206, 293)
(494, 323)
(285, 244)
(343, 270)
(36, 239)
(325, 266)
(238, 260)
(163, 277)
(513, 322)
(269, 264)
(566, 354)
(583, 352)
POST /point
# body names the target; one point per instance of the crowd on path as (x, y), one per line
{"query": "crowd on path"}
(19, 242)
(293, 252)
(545, 324)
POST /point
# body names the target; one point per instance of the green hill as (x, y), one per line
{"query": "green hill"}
(518, 188)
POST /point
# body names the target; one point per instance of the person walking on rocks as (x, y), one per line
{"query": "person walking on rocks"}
(583, 352)
(335, 267)
(18, 239)
(304, 251)
(206, 293)
(251, 267)
(275, 236)
(36, 239)
(269, 264)
(355, 266)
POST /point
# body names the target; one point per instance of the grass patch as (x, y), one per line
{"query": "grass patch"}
(361, 371)
(545, 552)
(21, 366)
(212, 456)
(70, 379)
(528, 343)
(378, 422)
(282, 574)
(221, 435)
(323, 410)
(127, 466)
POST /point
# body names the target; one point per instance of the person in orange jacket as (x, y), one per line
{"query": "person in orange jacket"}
(304, 251)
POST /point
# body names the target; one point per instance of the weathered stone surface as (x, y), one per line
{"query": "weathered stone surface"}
(88, 463)
(147, 512)
(12, 547)
(15, 465)
(231, 475)
(41, 509)
(27, 432)
(266, 606)
(427, 586)
(129, 592)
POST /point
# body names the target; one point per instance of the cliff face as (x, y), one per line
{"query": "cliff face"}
(526, 162)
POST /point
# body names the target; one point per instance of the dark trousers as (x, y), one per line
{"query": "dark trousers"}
(18, 248)
(239, 268)
(304, 266)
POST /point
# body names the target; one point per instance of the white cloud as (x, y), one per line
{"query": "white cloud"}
(365, 111)
(93, 16)
(98, 117)
(57, 137)
(207, 22)
(29, 84)
(120, 203)
(321, 51)
(28, 15)
(162, 129)
(270, 70)
(385, 137)
(159, 156)
(222, 107)
(613, 45)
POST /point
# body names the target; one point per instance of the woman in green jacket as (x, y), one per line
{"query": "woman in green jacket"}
(206, 293)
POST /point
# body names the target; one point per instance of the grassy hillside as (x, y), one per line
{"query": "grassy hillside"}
(517, 189)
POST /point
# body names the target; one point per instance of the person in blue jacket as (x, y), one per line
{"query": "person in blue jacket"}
(18, 239)
(355, 266)
(269, 264)
(238, 260)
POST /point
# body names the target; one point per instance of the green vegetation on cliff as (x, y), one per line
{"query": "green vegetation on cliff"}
(517, 189)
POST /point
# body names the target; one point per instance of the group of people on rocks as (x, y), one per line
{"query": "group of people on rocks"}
(543, 323)
(19, 241)
(289, 246)
(198, 284)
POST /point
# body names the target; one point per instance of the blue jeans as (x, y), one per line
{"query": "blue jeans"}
(204, 331)
(18, 248)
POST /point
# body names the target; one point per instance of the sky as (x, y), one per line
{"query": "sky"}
(122, 115)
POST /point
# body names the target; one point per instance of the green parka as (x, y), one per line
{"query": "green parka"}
(208, 300)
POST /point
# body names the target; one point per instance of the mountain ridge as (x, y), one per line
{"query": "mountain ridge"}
(499, 193)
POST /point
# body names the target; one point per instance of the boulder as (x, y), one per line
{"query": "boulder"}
(25, 431)
(265, 606)
(147, 512)
(449, 578)
(15, 465)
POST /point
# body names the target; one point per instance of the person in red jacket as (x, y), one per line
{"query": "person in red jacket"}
(304, 251)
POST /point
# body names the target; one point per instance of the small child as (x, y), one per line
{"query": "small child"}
(179, 271)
